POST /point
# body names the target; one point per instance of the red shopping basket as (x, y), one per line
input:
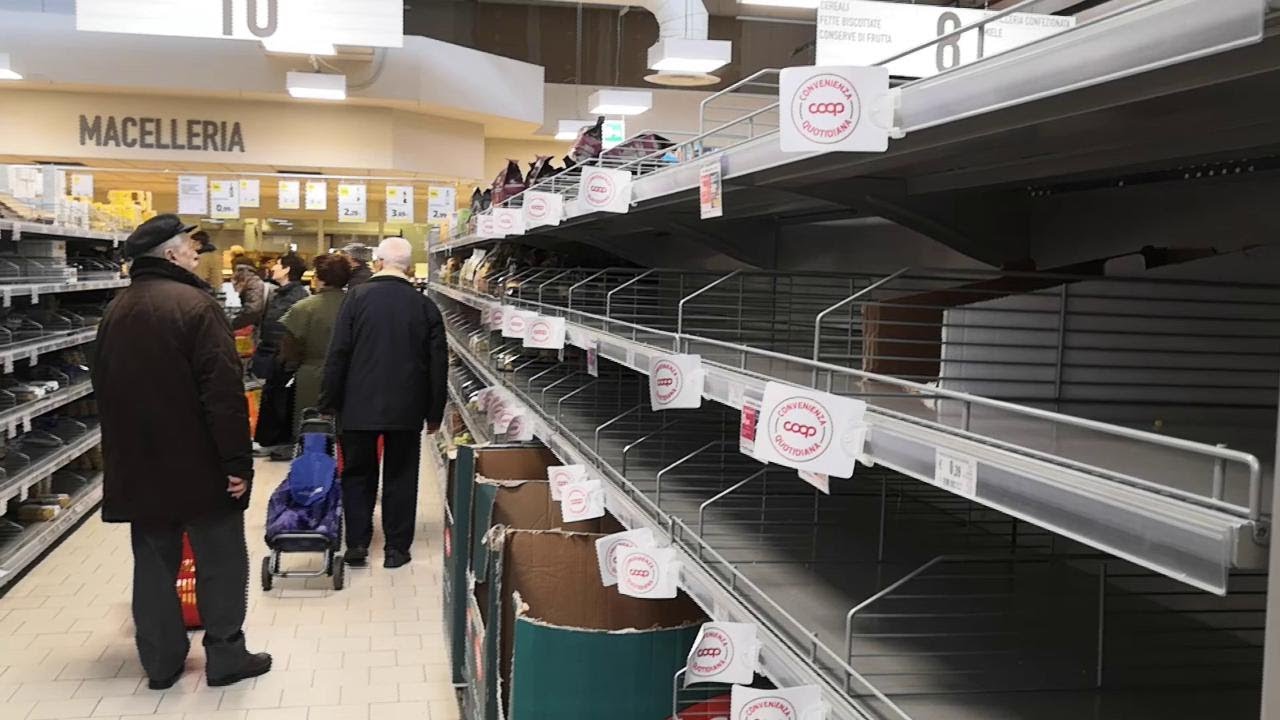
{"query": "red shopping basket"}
(187, 586)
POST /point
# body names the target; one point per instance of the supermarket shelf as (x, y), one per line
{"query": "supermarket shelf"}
(17, 229)
(1138, 38)
(1191, 538)
(17, 419)
(41, 467)
(33, 290)
(38, 537)
(31, 350)
(781, 660)
(478, 427)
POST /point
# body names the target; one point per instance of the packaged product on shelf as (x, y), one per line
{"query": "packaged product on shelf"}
(62, 500)
(37, 512)
(509, 182)
(589, 144)
(541, 169)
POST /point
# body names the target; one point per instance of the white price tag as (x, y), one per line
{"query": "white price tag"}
(289, 195)
(35, 295)
(317, 195)
(26, 424)
(400, 204)
(8, 364)
(35, 357)
(352, 203)
(224, 196)
(955, 472)
(593, 358)
(250, 193)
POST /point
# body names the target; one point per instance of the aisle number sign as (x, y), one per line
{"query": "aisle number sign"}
(250, 193)
(224, 197)
(441, 203)
(866, 32)
(399, 204)
(289, 195)
(352, 203)
(317, 195)
(363, 23)
(193, 195)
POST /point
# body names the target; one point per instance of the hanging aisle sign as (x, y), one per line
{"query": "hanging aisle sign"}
(794, 703)
(830, 108)
(317, 195)
(865, 32)
(509, 221)
(542, 208)
(250, 193)
(289, 195)
(352, 203)
(441, 203)
(193, 195)
(810, 430)
(604, 190)
(224, 196)
(399, 204)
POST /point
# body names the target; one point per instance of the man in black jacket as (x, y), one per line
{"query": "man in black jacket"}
(175, 440)
(384, 376)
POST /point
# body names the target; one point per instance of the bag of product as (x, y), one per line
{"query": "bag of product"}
(477, 201)
(589, 144)
(509, 182)
(540, 169)
(640, 146)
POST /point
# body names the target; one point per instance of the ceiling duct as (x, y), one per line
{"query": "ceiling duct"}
(683, 56)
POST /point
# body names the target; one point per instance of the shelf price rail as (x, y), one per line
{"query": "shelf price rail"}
(1189, 536)
(721, 598)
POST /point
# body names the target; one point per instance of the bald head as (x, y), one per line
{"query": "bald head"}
(395, 253)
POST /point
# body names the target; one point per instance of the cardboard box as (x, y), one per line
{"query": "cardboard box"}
(569, 647)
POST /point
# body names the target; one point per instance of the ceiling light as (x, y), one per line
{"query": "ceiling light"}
(298, 46)
(7, 70)
(569, 129)
(806, 4)
(689, 56)
(620, 102)
(317, 86)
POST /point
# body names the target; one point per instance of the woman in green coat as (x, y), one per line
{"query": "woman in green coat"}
(308, 327)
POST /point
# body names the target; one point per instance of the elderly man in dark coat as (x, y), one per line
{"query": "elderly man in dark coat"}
(178, 459)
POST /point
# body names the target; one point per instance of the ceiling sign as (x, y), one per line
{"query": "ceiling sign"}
(362, 23)
(867, 32)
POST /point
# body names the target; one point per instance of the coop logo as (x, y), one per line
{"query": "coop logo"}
(713, 654)
(800, 429)
(537, 209)
(640, 573)
(599, 190)
(576, 500)
(506, 222)
(611, 557)
(540, 332)
(667, 381)
(497, 317)
(826, 108)
(768, 708)
(517, 324)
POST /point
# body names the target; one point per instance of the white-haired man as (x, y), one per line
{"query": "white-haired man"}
(175, 440)
(385, 376)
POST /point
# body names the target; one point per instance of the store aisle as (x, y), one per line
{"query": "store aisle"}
(373, 651)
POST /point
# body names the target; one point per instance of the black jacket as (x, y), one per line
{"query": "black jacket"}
(170, 393)
(271, 330)
(360, 275)
(388, 362)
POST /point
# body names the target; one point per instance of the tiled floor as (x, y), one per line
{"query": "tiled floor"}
(374, 651)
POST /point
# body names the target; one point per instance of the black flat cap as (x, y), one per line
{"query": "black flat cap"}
(206, 245)
(153, 232)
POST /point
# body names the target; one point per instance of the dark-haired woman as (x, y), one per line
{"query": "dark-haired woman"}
(308, 327)
(275, 431)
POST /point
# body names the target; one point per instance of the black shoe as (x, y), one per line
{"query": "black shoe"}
(282, 454)
(254, 665)
(356, 557)
(166, 683)
(396, 558)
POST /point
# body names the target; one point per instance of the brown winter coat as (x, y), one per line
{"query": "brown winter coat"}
(170, 393)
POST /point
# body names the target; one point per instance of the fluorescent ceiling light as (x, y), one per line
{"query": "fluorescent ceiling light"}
(298, 46)
(620, 102)
(316, 86)
(7, 71)
(807, 4)
(569, 129)
(692, 56)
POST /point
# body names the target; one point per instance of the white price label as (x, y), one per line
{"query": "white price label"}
(957, 473)
(250, 193)
(289, 195)
(352, 203)
(35, 296)
(224, 196)
(400, 204)
(317, 197)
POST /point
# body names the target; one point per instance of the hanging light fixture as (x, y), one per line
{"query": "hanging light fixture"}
(620, 102)
(569, 129)
(316, 86)
(7, 69)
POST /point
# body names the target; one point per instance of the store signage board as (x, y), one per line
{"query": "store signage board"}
(289, 195)
(82, 185)
(711, 191)
(224, 199)
(827, 108)
(250, 193)
(866, 32)
(442, 202)
(542, 208)
(793, 703)
(193, 195)
(399, 204)
(158, 133)
(353, 204)
(604, 190)
(360, 23)
(810, 430)
(317, 195)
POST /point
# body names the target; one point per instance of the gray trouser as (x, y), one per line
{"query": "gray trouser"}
(222, 584)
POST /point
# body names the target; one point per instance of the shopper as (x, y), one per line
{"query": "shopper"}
(209, 266)
(175, 440)
(275, 415)
(252, 290)
(384, 375)
(360, 255)
(308, 329)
